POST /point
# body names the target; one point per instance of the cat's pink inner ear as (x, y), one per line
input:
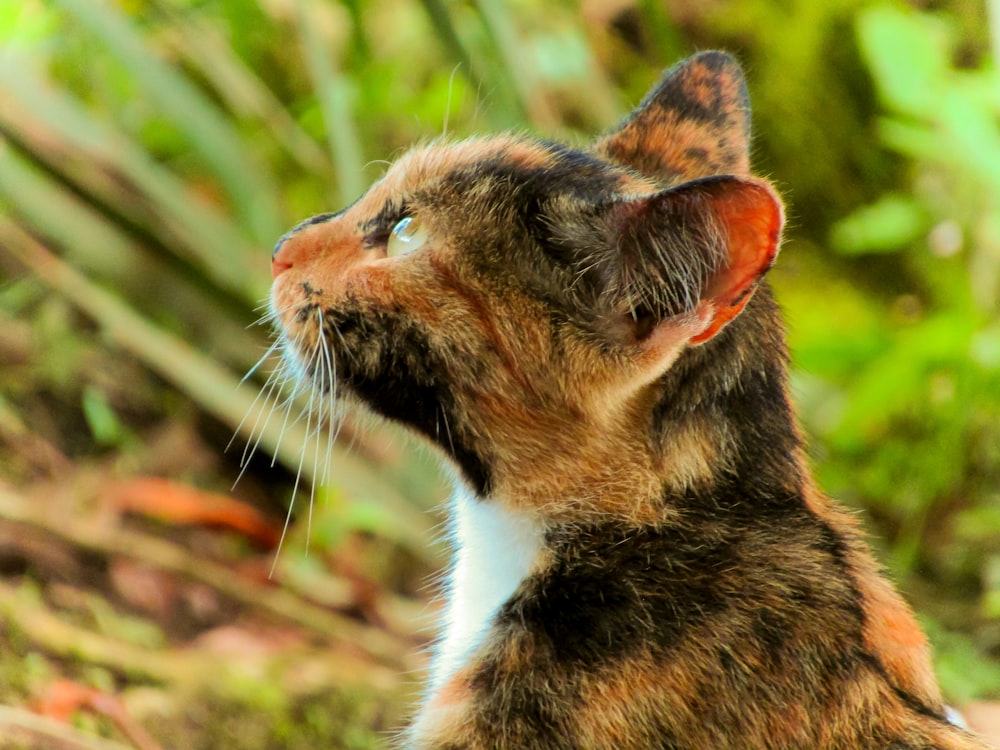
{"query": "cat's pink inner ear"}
(750, 216)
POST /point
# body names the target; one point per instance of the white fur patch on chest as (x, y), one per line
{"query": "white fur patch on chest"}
(496, 550)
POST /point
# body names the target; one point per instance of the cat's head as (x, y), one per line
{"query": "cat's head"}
(517, 302)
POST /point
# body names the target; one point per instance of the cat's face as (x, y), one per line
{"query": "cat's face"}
(515, 301)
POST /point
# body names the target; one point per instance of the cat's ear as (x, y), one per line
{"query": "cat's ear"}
(692, 255)
(695, 123)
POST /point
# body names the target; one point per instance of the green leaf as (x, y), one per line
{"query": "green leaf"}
(337, 98)
(25, 24)
(104, 424)
(908, 53)
(887, 226)
(985, 348)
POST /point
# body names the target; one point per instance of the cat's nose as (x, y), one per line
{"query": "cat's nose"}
(281, 258)
(306, 240)
(291, 250)
(278, 267)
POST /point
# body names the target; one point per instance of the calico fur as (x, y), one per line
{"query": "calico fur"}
(643, 560)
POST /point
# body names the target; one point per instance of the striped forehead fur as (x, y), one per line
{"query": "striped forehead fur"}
(567, 204)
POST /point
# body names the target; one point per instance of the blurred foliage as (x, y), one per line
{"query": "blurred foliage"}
(151, 152)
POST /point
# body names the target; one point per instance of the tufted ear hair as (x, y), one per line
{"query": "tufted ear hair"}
(695, 123)
(700, 247)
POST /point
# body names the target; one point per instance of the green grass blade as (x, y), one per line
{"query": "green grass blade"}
(520, 76)
(440, 19)
(333, 89)
(204, 127)
(242, 89)
(89, 239)
(106, 163)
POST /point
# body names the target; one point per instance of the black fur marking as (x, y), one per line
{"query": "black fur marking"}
(529, 720)
(516, 251)
(614, 587)
(385, 220)
(699, 154)
(671, 95)
(408, 383)
(833, 545)
(577, 244)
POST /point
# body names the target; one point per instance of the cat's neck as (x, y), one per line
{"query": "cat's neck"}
(495, 549)
(716, 438)
(720, 417)
(723, 414)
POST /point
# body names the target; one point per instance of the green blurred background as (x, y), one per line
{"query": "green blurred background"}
(151, 152)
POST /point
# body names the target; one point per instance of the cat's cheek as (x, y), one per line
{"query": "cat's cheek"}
(282, 298)
(369, 280)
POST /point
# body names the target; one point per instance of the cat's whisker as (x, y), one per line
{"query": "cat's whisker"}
(280, 376)
(268, 353)
(266, 313)
(319, 365)
(239, 427)
(343, 343)
(331, 408)
(273, 384)
(286, 405)
(264, 357)
(447, 106)
(258, 407)
(310, 435)
(447, 429)
(272, 314)
(284, 530)
(298, 478)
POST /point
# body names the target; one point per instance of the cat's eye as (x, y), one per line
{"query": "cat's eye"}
(408, 235)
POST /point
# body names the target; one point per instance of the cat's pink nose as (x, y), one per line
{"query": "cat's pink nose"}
(291, 250)
(301, 243)
(278, 267)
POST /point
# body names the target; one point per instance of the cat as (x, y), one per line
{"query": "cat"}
(642, 558)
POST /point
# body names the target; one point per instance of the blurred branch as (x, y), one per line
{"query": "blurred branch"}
(164, 555)
(517, 65)
(240, 87)
(88, 237)
(189, 670)
(445, 30)
(20, 725)
(56, 636)
(106, 165)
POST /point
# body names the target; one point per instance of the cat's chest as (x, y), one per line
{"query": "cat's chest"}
(495, 550)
